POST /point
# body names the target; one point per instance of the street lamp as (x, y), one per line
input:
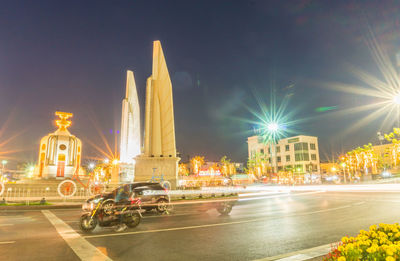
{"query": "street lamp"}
(91, 165)
(3, 162)
(273, 127)
(396, 99)
(106, 160)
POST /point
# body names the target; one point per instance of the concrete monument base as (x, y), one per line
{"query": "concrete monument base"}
(148, 167)
(126, 172)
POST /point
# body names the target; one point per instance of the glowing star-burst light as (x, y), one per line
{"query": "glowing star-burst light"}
(273, 120)
(383, 92)
(273, 127)
(396, 99)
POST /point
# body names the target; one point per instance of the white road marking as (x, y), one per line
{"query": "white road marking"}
(6, 225)
(7, 242)
(82, 248)
(302, 255)
(219, 224)
(281, 195)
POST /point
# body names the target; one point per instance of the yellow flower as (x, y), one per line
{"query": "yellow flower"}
(390, 258)
(342, 258)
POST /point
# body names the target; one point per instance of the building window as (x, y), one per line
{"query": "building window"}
(279, 159)
(313, 157)
(301, 146)
(287, 158)
(301, 157)
(278, 149)
(287, 148)
(269, 150)
(262, 151)
(269, 160)
(312, 146)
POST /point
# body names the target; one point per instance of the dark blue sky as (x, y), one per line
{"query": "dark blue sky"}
(72, 56)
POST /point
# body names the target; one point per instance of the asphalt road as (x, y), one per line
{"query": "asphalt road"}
(258, 227)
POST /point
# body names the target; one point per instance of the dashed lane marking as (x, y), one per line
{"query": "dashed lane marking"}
(282, 195)
(302, 255)
(7, 242)
(82, 248)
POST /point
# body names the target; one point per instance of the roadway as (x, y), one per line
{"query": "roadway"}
(259, 226)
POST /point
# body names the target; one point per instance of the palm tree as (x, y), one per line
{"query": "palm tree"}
(196, 162)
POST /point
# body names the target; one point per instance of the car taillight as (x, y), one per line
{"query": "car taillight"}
(135, 201)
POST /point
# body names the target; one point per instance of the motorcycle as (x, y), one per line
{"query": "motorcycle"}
(106, 213)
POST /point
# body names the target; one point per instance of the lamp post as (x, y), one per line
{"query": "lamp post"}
(4, 163)
(273, 128)
(396, 102)
(344, 171)
(115, 172)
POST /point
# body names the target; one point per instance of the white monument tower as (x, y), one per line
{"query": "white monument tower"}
(159, 155)
(130, 129)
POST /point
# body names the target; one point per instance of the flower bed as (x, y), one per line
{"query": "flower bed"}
(379, 243)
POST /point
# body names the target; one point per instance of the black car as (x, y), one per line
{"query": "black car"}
(151, 196)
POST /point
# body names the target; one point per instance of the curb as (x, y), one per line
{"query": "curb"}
(39, 207)
(79, 205)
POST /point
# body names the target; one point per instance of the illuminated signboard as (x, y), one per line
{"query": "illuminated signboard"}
(293, 140)
(209, 173)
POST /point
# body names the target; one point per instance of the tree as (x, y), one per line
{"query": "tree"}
(182, 169)
(227, 167)
(196, 162)
(362, 159)
(394, 138)
(258, 165)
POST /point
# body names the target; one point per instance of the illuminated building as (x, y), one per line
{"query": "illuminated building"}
(59, 152)
(299, 154)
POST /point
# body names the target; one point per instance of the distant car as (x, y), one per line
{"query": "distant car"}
(152, 196)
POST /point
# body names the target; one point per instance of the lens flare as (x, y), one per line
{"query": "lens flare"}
(273, 121)
(384, 93)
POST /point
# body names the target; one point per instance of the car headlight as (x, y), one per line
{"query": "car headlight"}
(88, 206)
(96, 200)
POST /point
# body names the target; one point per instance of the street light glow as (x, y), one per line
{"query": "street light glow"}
(396, 99)
(273, 126)
(91, 165)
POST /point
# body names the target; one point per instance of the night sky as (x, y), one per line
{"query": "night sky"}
(73, 56)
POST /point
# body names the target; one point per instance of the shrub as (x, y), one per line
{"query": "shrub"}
(379, 243)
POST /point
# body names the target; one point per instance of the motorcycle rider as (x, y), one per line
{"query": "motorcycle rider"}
(122, 201)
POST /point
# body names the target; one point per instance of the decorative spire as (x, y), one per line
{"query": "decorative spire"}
(63, 123)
